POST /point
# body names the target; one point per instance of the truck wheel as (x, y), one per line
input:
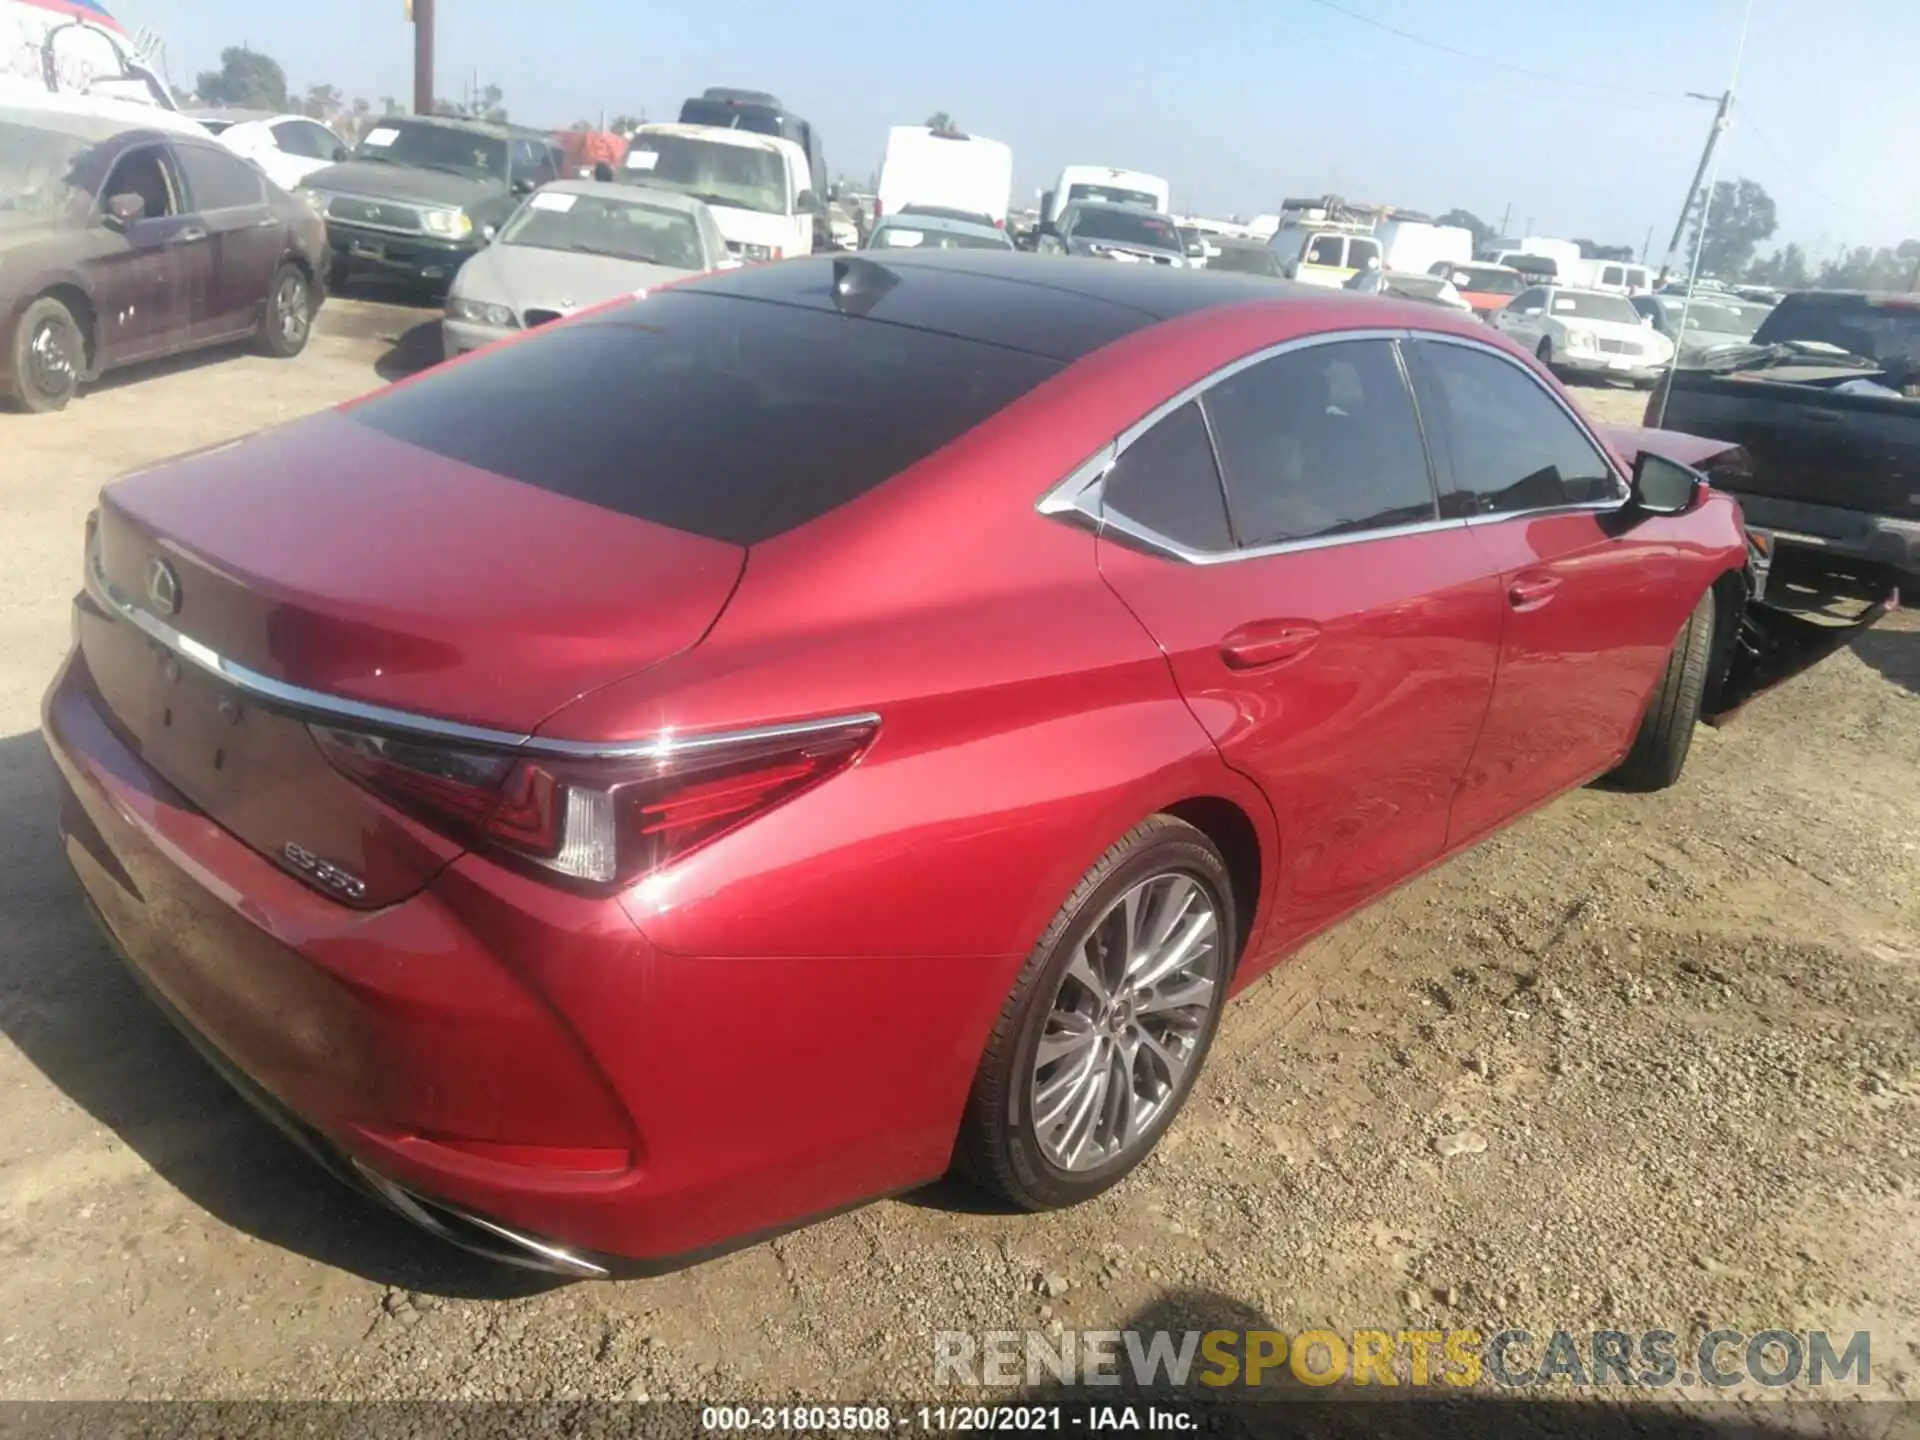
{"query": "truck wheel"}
(49, 356)
(1666, 731)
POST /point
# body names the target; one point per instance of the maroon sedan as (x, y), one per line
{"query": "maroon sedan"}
(754, 746)
(119, 245)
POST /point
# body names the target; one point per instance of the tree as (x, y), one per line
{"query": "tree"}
(391, 106)
(1741, 216)
(1467, 220)
(1594, 250)
(625, 124)
(488, 105)
(182, 99)
(246, 78)
(1784, 270)
(941, 123)
(1865, 268)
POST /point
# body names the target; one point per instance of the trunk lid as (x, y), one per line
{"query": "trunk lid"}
(329, 557)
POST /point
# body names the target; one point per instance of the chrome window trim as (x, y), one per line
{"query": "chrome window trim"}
(1078, 495)
(320, 705)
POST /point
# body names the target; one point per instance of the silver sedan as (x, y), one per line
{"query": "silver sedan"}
(573, 245)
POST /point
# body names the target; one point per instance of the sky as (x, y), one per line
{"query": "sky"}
(1570, 119)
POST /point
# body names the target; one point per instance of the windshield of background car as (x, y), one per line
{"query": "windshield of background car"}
(1616, 308)
(719, 431)
(1127, 227)
(908, 237)
(1114, 195)
(1486, 282)
(740, 176)
(1245, 260)
(436, 147)
(1715, 317)
(35, 170)
(1879, 330)
(597, 225)
(1417, 287)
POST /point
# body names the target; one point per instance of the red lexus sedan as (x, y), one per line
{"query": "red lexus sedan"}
(754, 747)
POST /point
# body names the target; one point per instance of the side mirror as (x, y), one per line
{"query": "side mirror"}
(730, 263)
(1665, 487)
(340, 154)
(807, 201)
(487, 232)
(1533, 310)
(523, 186)
(124, 210)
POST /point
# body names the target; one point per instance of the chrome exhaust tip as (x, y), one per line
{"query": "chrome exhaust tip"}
(478, 1235)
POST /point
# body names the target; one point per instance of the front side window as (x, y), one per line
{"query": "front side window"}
(219, 181)
(146, 173)
(1359, 252)
(1529, 300)
(37, 173)
(1320, 441)
(1512, 446)
(1325, 250)
(305, 139)
(1613, 275)
(1167, 482)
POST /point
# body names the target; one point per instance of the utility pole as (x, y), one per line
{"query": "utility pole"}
(1646, 245)
(421, 13)
(1505, 216)
(1720, 116)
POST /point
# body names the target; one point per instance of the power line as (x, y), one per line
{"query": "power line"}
(1508, 66)
(1791, 171)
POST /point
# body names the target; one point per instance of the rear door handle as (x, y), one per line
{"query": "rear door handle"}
(1268, 642)
(1530, 592)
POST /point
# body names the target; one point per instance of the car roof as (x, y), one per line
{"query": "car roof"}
(238, 116)
(911, 219)
(78, 124)
(620, 190)
(1058, 307)
(472, 127)
(746, 139)
(1117, 209)
(1581, 290)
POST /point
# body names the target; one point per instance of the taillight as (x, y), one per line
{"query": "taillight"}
(602, 820)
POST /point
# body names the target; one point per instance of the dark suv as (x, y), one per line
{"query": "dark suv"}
(422, 194)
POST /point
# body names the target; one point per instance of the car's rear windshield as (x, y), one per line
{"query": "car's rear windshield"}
(1483, 280)
(1245, 260)
(734, 419)
(1877, 329)
(1127, 227)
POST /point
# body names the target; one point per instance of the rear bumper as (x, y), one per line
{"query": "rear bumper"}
(503, 1054)
(1609, 367)
(1841, 535)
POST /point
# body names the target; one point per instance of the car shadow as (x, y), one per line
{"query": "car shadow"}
(146, 370)
(72, 1010)
(1280, 1403)
(1895, 653)
(417, 349)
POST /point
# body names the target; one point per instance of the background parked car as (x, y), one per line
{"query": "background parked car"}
(1434, 289)
(937, 232)
(1486, 288)
(288, 147)
(945, 168)
(571, 246)
(1586, 332)
(420, 195)
(119, 245)
(756, 184)
(1113, 232)
(1712, 321)
(1241, 257)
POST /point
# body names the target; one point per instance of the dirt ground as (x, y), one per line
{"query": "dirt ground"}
(1683, 1026)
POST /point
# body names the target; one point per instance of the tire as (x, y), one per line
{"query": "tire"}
(49, 356)
(1660, 747)
(286, 323)
(338, 273)
(1164, 868)
(1545, 353)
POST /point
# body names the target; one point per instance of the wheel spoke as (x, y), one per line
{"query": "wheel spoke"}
(1176, 1065)
(1183, 950)
(1197, 992)
(1086, 1114)
(1073, 1033)
(1086, 970)
(1177, 894)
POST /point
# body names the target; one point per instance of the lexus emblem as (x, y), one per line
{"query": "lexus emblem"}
(373, 212)
(163, 586)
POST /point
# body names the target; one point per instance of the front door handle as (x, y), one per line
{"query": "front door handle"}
(186, 235)
(1268, 642)
(1530, 592)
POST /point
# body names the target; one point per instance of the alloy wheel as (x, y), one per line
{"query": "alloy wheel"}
(53, 365)
(1126, 1022)
(290, 310)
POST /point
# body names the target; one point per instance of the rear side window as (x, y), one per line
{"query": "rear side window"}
(1167, 481)
(219, 181)
(1321, 441)
(733, 419)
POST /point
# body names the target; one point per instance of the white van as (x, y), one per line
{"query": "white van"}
(1621, 277)
(1108, 186)
(1414, 247)
(1327, 255)
(757, 186)
(72, 49)
(945, 169)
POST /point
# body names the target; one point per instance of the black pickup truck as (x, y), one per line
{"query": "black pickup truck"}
(1824, 405)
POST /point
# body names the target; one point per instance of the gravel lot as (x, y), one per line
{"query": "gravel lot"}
(1673, 1039)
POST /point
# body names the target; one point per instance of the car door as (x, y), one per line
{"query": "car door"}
(1589, 597)
(244, 239)
(1334, 637)
(149, 284)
